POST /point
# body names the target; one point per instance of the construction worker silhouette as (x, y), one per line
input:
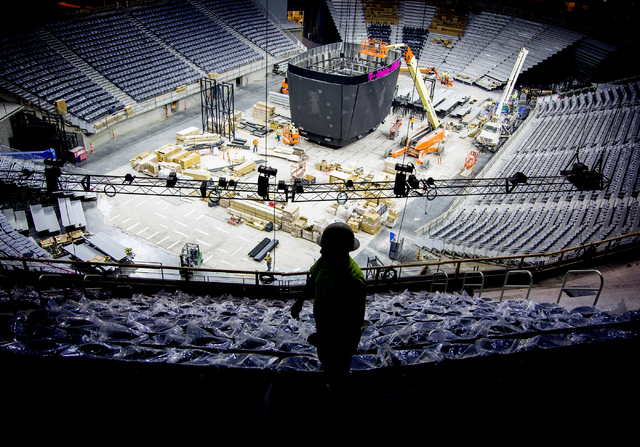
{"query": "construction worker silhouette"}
(339, 292)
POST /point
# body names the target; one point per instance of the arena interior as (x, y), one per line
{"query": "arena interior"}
(137, 216)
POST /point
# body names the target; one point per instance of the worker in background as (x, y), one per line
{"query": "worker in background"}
(412, 121)
(338, 289)
(278, 133)
(269, 261)
(255, 145)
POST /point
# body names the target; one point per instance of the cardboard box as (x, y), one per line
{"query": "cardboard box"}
(61, 105)
(291, 212)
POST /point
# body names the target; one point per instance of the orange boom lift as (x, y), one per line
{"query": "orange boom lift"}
(427, 139)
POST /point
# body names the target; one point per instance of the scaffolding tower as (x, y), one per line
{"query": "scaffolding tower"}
(217, 104)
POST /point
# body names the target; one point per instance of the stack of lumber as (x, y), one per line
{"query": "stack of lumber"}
(189, 131)
(166, 151)
(279, 98)
(197, 174)
(263, 111)
(255, 211)
(175, 157)
(191, 160)
(146, 161)
(245, 168)
(206, 138)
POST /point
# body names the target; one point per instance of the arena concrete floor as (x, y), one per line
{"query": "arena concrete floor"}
(157, 227)
(167, 223)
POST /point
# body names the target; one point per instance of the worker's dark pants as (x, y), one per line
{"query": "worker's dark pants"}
(335, 351)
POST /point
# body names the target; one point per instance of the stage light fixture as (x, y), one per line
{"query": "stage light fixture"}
(282, 186)
(263, 180)
(400, 185)
(582, 178)
(53, 162)
(413, 182)
(404, 168)
(203, 189)
(515, 180)
(263, 186)
(172, 179)
(267, 170)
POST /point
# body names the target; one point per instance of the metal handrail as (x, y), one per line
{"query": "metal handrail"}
(506, 284)
(582, 288)
(473, 285)
(435, 282)
(556, 258)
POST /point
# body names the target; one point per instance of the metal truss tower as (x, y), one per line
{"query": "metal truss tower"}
(217, 105)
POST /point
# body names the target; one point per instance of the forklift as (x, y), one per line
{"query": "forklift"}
(284, 88)
(191, 256)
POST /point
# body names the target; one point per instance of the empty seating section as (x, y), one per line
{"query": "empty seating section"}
(382, 32)
(197, 36)
(125, 55)
(131, 50)
(27, 62)
(484, 55)
(414, 38)
(488, 50)
(597, 125)
(246, 18)
(348, 17)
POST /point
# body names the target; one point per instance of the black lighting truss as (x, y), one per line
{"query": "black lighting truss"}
(52, 180)
(217, 107)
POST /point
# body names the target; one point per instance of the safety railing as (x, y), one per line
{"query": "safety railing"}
(434, 274)
(573, 289)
